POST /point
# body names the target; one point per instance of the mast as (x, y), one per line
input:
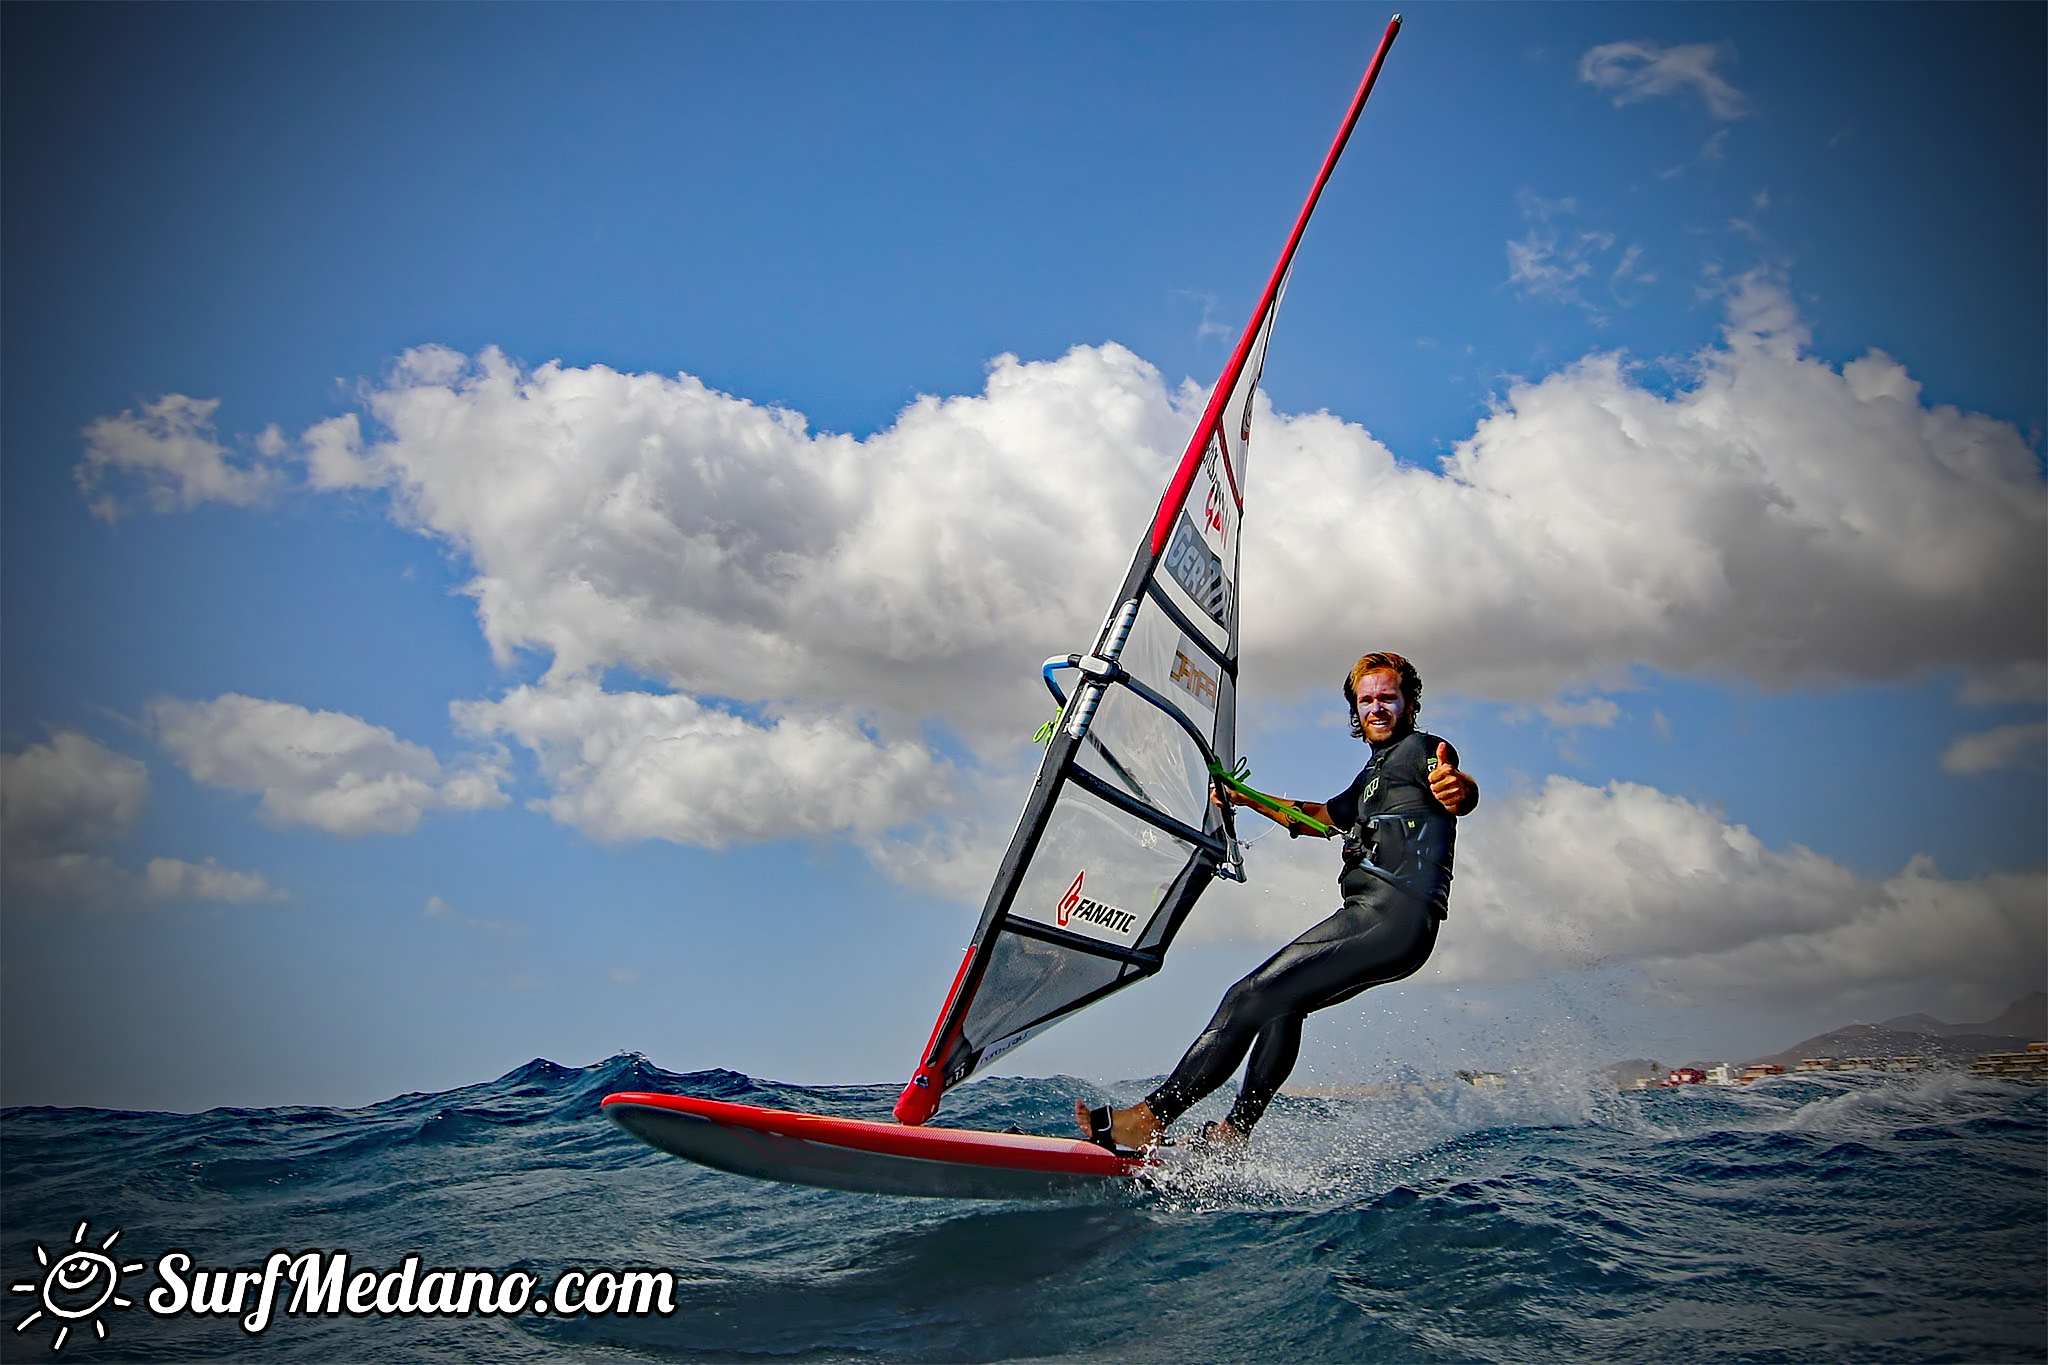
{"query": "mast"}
(1177, 490)
(947, 1059)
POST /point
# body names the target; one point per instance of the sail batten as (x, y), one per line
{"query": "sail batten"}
(1138, 810)
(1119, 836)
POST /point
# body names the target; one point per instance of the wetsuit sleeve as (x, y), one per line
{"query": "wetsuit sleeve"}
(1343, 807)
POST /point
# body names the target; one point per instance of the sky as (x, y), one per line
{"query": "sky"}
(530, 530)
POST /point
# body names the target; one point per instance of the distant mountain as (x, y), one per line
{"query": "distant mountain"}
(1870, 1040)
(2026, 1016)
(1634, 1069)
(2025, 1020)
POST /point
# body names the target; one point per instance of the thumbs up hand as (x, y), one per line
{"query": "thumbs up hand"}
(1454, 790)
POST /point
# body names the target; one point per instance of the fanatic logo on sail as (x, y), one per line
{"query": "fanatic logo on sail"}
(1077, 908)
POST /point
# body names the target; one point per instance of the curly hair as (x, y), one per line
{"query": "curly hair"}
(1411, 688)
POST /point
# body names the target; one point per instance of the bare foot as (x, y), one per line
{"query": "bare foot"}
(1224, 1137)
(1135, 1127)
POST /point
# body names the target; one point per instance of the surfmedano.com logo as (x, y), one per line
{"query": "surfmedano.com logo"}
(76, 1286)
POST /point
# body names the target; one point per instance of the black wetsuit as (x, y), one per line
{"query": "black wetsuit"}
(1396, 884)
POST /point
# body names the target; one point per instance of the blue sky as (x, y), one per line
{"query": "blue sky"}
(529, 530)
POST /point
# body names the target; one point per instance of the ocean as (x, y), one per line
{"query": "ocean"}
(1836, 1217)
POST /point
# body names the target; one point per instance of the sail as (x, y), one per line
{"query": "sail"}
(1119, 838)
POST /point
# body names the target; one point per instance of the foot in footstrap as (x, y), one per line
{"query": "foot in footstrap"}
(1100, 1123)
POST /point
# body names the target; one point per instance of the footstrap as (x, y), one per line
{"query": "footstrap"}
(1099, 1132)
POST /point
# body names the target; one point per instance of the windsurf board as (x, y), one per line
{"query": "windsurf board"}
(869, 1156)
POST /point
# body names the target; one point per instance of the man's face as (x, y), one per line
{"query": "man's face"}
(1379, 704)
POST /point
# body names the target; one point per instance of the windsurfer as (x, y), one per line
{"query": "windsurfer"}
(1398, 823)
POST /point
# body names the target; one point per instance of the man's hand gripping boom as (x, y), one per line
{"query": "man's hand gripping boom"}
(1296, 817)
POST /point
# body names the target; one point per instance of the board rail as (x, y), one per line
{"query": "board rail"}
(867, 1155)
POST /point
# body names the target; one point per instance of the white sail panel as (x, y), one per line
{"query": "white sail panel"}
(1098, 873)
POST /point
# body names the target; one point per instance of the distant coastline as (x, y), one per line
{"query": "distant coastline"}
(1913, 1042)
(2014, 1044)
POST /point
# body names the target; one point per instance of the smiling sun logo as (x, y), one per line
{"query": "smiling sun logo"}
(76, 1286)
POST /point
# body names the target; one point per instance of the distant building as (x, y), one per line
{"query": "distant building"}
(1485, 1078)
(2031, 1065)
(1915, 1063)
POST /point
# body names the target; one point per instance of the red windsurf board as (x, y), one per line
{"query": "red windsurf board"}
(869, 1156)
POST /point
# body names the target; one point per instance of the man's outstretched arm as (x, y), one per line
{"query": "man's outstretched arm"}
(1287, 814)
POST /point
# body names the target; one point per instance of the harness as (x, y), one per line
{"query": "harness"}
(1409, 847)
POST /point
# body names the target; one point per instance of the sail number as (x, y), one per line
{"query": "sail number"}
(1197, 569)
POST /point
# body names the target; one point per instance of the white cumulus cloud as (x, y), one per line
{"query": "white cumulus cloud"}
(1775, 519)
(1569, 878)
(176, 879)
(728, 551)
(1779, 520)
(1980, 939)
(639, 765)
(69, 795)
(64, 803)
(2004, 747)
(1572, 876)
(331, 771)
(172, 453)
(1633, 72)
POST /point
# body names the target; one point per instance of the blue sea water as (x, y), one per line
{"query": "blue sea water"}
(1832, 1218)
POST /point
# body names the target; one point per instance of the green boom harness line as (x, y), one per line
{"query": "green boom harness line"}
(1295, 820)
